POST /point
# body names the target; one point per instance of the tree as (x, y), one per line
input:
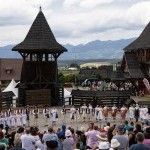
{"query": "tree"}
(74, 65)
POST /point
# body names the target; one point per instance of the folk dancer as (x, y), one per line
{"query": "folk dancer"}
(131, 112)
(46, 113)
(24, 118)
(7, 118)
(90, 109)
(63, 112)
(114, 112)
(13, 119)
(123, 112)
(145, 116)
(96, 112)
(105, 112)
(137, 112)
(72, 113)
(35, 113)
(54, 116)
(18, 119)
(84, 109)
(100, 113)
(27, 110)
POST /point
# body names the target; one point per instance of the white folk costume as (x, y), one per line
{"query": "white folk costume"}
(24, 118)
(90, 109)
(54, 115)
(13, 119)
(96, 112)
(72, 114)
(35, 113)
(100, 113)
(131, 112)
(63, 112)
(145, 113)
(84, 109)
(141, 112)
(18, 119)
(46, 114)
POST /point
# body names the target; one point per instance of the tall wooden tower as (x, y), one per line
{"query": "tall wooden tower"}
(39, 50)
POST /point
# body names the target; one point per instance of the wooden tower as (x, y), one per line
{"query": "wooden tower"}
(39, 50)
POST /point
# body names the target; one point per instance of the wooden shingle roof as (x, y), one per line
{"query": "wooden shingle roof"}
(134, 68)
(40, 38)
(118, 75)
(142, 42)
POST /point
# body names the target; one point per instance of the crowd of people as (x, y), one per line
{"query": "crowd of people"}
(105, 131)
(125, 136)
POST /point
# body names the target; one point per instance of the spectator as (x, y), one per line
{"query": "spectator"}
(139, 145)
(40, 144)
(3, 140)
(17, 140)
(126, 126)
(61, 134)
(131, 137)
(122, 139)
(28, 141)
(138, 128)
(51, 137)
(68, 143)
(147, 137)
(92, 138)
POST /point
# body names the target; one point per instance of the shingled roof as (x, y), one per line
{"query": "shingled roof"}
(142, 42)
(118, 75)
(40, 38)
(133, 65)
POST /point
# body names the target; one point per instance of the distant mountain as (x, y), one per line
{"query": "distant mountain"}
(92, 50)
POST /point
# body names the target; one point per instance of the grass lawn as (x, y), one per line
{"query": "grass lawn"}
(68, 72)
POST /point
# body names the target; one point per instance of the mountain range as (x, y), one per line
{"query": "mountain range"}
(92, 50)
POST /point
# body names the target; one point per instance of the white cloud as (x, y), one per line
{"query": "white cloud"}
(75, 21)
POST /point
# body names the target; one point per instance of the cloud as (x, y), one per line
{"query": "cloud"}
(75, 21)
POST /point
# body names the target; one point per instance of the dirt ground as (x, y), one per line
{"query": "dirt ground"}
(76, 124)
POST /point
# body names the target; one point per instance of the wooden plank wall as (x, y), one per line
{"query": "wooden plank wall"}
(38, 97)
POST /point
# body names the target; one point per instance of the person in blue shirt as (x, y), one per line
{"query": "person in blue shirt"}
(139, 145)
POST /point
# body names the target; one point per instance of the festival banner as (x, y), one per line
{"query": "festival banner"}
(146, 83)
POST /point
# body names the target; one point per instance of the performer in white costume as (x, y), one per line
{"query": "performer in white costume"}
(54, 116)
(18, 119)
(100, 113)
(90, 114)
(145, 111)
(141, 112)
(35, 113)
(63, 112)
(84, 109)
(131, 112)
(46, 113)
(72, 113)
(96, 112)
(24, 118)
(13, 119)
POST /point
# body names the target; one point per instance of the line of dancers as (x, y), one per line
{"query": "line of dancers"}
(134, 112)
(15, 117)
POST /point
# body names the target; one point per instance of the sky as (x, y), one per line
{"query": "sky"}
(75, 21)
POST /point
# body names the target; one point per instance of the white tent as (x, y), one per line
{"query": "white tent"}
(11, 87)
(66, 93)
